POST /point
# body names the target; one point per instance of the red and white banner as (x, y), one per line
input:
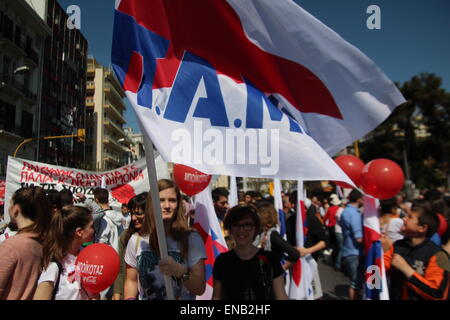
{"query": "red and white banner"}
(123, 183)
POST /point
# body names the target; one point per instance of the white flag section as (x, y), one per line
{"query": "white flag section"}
(278, 204)
(303, 271)
(360, 93)
(207, 224)
(233, 198)
(192, 72)
(123, 183)
(375, 284)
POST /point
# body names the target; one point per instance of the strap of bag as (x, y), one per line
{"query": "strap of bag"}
(60, 269)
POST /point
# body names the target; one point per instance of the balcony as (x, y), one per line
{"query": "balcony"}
(90, 103)
(114, 144)
(109, 75)
(31, 58)
(114, 96)
(91, 70)
(90, 86)
(11, 86)
(113, 160)
(7, 43)
(114, 127)
(115, 113)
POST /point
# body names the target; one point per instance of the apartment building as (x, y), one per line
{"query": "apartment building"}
(63, 90)
(107, 144)
(22, 39)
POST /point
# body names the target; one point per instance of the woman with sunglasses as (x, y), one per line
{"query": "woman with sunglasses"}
(136, 205)
(185, 264)
(246, 272)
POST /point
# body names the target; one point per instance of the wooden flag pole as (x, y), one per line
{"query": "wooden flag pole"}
(153, 179)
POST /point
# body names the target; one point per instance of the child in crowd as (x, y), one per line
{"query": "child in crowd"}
(418, 268)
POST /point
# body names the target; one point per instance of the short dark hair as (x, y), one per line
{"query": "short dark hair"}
(66, 197)
(218, 192)
(102, 195)
(54, 197)
(388, 204)
(237, 213)
(427, 217)
(251, 193)
(354, 195)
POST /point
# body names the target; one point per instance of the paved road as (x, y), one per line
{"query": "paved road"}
(334, 283)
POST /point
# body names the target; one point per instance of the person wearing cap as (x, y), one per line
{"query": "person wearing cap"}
(331, 220)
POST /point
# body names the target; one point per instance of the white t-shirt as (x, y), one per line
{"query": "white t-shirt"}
(150, 280)
(393, 227)
(69, 288)
(7, 234)
(126, 220)
(337, 226)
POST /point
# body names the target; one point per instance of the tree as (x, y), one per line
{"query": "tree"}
(418, 129)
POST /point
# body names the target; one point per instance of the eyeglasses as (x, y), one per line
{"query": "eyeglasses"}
(246, 227)
(137, 213)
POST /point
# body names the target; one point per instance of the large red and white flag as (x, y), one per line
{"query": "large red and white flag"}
(303, 271)
(245, 87)
(207, 224)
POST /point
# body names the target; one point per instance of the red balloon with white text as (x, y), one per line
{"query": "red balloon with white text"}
(190, 180)
(98, 266)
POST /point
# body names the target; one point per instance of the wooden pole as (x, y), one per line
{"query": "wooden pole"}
(153, 179)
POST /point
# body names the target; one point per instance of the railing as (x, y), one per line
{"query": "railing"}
(115, 112)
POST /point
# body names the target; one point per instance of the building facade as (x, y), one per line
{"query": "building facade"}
(106, 141)
(62, 109)
(22, 39)
(136, 147)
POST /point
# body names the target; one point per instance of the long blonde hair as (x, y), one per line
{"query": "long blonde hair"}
(179, 229)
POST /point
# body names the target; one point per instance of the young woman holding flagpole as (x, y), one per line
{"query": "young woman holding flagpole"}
(186, 252)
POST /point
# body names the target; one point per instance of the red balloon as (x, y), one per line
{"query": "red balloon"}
(98, 266)
(443, 225)
(382, 178)
(190, 180)
(353, 167)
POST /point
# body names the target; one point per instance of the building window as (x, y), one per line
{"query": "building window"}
(7, 116)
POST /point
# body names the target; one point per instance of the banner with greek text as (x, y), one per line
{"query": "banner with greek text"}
(123, 183)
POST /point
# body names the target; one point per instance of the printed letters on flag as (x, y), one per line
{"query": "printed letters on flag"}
(246, 88)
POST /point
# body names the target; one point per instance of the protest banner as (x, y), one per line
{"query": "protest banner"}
(123, 183)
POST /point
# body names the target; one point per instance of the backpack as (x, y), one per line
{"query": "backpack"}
(60, 269)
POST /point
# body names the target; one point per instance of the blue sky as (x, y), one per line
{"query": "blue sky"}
(414, 35)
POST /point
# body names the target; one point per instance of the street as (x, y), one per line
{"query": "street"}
(334, 283)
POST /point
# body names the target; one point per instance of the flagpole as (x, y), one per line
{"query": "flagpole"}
(151, 168)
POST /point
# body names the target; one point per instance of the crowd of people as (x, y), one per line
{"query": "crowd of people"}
(47, 230)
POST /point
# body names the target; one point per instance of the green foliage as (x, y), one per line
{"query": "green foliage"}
(420, 128)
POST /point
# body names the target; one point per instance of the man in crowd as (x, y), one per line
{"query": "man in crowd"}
(220, 200)
(352, 230)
